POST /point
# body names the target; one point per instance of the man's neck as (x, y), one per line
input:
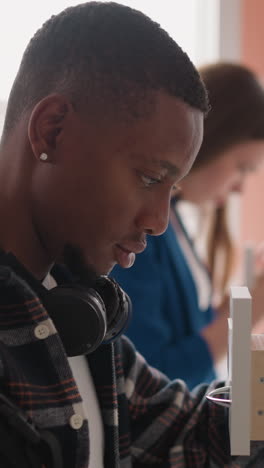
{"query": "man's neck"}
(18, 234)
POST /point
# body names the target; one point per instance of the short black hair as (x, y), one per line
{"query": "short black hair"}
(103, 52)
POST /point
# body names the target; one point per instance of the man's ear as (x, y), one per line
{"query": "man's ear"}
(46, 123)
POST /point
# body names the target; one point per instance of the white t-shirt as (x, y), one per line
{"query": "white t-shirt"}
(82, 375)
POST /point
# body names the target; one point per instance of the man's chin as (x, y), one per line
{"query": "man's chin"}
(75, 261)
(106, 270)
(83, 266)
(110, 269)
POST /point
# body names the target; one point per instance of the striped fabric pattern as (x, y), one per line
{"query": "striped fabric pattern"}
(148, 420)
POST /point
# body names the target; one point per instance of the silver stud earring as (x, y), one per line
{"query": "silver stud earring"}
(43, 157)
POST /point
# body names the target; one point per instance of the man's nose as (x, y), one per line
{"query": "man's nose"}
(154, 218)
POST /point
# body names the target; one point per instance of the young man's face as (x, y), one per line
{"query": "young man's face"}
(111, 182)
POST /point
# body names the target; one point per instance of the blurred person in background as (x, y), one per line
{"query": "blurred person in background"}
(175, 324)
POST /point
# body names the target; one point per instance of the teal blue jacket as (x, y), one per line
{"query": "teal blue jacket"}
(167, 320)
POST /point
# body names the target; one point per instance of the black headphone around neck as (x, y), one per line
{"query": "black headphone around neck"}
(84, 316)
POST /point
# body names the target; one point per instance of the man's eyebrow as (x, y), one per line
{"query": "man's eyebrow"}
(173, 170)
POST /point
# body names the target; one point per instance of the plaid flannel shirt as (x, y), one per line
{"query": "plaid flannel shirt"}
(148, 420)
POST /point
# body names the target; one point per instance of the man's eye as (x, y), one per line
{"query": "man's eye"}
(148, 181)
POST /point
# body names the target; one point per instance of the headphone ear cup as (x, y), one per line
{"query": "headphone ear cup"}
(84, 317)
(80, 317)
(122, 318)
(117, 304)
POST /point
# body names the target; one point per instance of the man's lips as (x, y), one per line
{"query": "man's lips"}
(125, 254)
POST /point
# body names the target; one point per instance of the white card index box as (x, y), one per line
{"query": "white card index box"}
(257, 387)
(245, 376)
(239, 370)
(249, 266)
